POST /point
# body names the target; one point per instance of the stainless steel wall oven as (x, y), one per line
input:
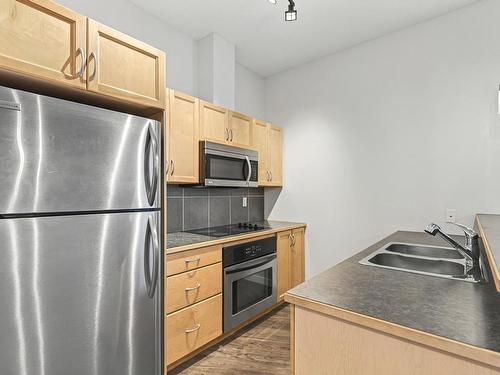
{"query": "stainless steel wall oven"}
(250, 279)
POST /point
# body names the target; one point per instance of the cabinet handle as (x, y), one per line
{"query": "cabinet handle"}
(271, 174)
(80, 51)
(167, 168)
(294, 241)
(231, 132)
(93, 56)
(268, 176)
(173, 167)
(198, 286)
(196, 328)
(194, 260)
(226, 131)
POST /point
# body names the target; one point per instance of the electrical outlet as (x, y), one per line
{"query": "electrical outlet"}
(451, 215)
(245, 201)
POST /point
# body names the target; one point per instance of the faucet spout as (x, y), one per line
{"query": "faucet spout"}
(468, 254)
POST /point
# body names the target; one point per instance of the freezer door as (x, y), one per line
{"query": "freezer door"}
(60, 156)
(74, 295)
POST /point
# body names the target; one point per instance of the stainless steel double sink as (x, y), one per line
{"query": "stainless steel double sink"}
(445, 262)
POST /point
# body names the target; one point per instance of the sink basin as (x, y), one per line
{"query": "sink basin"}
(426, 251)
(435, 261)
(441, 267)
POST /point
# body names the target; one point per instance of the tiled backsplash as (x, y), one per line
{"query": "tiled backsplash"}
(193, 208)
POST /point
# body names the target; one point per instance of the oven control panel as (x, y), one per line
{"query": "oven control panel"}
(253, 251)
(250, 250)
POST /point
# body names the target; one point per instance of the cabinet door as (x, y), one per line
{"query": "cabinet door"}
(183, 142)
(123, 67)
(297, 258)
(260, 141)
(214, 122)
(239, 129)
(276, 155)
(283, 254)
(44, 40)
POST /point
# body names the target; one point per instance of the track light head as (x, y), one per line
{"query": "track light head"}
(291, 13)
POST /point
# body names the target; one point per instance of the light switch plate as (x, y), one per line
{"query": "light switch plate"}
(245, 201)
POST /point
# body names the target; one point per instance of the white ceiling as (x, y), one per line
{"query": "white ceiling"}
(267, 44)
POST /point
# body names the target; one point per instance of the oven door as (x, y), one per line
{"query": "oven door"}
(231, 170)
(249, 288)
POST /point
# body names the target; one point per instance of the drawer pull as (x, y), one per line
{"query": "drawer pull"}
(198, 326)
(194, 260)
(194, 288)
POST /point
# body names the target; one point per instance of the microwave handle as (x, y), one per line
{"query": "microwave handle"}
(249, 169)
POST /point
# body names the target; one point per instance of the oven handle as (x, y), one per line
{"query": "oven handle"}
(249, 264)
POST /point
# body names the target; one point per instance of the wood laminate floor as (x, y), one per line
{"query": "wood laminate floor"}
(262, 348)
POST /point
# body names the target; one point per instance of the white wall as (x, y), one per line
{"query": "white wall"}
(250, 88)
(216, 70)
(387, 135)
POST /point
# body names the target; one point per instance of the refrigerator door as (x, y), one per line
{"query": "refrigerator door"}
(60, 156)
(74, 295)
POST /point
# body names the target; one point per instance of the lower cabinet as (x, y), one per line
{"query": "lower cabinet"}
(193, 292)
(192, 287)
(290, 249)
(191, 328)
(297, 269)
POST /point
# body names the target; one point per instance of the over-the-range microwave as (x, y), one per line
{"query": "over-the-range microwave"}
(229, 166)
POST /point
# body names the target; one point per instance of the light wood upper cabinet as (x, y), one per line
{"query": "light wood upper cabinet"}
(239, 129)
(44, 40)
(214, 122)
(123, 67)
(276, 155)
(218, 124)
(297, 271)
(260, 142)
(183, 138)
(268, 140)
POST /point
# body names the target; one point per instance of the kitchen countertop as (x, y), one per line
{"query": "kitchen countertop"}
(489, 229)
(182, 241)
(464, 312)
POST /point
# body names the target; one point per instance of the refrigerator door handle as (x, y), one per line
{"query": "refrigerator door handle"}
(151, 183)
(151, 279)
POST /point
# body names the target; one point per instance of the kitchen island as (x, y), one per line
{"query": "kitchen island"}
(355, 319)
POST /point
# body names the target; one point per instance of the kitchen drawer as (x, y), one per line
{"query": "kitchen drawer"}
(193, 259)
(193, 327)
(194, 286)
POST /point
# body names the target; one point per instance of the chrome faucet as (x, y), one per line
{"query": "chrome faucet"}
(470, 251)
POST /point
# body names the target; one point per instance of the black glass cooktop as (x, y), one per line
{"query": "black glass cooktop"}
(229, 230)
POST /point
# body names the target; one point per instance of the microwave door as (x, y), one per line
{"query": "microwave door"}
(227, 171)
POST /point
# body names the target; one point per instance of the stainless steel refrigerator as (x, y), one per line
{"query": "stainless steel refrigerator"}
(80, 223)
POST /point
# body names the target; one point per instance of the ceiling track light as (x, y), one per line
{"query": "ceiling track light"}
(291, 13)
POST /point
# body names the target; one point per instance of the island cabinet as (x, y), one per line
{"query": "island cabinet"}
(182, 164)
(290, 259)
(267, 139)
(343, 343)
(43, 40)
